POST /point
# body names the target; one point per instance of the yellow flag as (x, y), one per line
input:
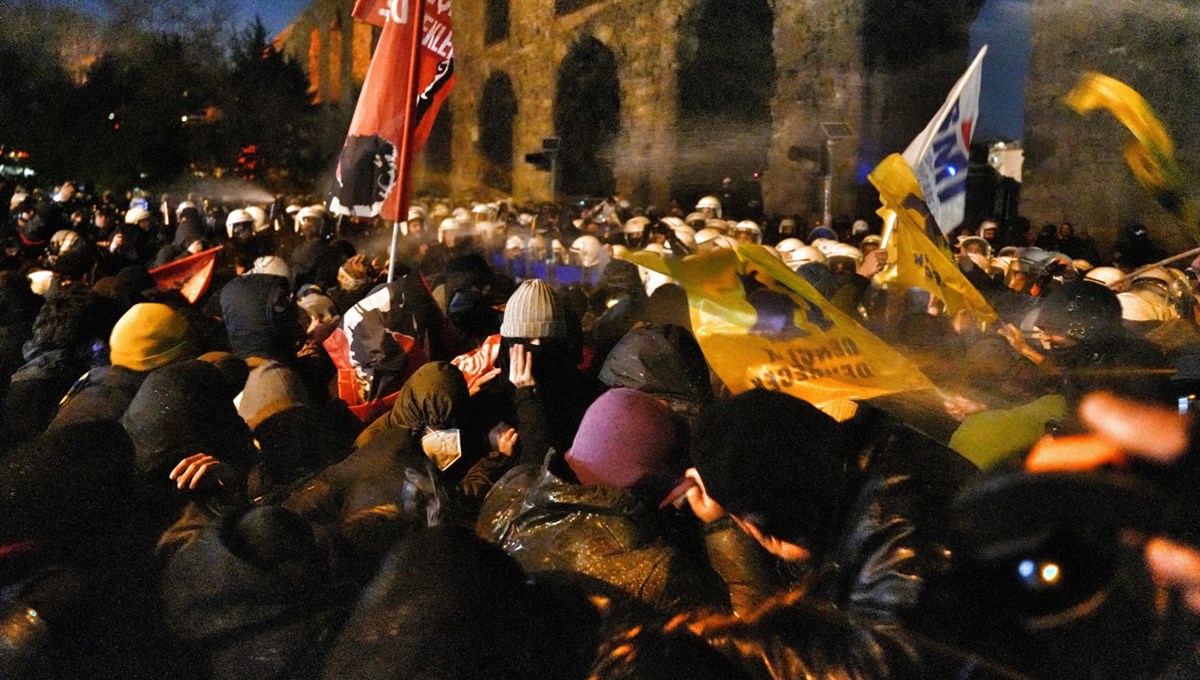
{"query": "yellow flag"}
(916, 261)
(762, 325)
(1150, 154)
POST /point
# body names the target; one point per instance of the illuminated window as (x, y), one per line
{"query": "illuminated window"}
(360, 54)
(335, 60)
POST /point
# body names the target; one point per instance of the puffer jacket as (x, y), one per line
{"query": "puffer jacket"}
(548, 524)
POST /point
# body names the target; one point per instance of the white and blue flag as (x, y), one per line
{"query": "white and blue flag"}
(939, 156)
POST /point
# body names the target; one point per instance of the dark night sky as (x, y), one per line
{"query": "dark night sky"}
(276, 14)
(1003, 24)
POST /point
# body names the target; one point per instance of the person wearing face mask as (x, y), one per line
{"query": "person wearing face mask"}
(539, 354)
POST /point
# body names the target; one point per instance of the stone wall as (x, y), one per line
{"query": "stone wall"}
(640, 33)
(820, 66)
(1074, 168)
(821, 76)
(334, 47)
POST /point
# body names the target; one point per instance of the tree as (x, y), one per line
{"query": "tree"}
(269, 109)
(161, 90)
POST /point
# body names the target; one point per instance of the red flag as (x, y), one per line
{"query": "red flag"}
(190, 276)
(373, 169)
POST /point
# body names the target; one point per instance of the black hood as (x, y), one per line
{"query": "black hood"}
(182, 409)
(67, 484)
(242, 573)
(445, 604)
(664, 361)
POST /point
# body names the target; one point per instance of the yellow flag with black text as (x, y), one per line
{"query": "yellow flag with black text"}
(762, 325)
(915, 260)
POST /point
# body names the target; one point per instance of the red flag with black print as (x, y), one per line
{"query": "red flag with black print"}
(372, 176)
(190, 275)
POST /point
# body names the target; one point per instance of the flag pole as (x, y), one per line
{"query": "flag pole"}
(1154, 265)
(404, 163)
(392, 250)
(889, 228)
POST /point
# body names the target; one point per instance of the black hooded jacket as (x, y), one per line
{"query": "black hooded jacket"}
(252, 595)
(377, 494)
(75, 571)
(664, 361)
(260, 316)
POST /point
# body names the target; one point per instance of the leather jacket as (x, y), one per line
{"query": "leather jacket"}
(548, 524)
(857, 601)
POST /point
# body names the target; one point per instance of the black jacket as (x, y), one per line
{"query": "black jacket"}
(862, 592)
(664, 361)
(252, 595)
(377, 494)
(101, 394)
(550, 525)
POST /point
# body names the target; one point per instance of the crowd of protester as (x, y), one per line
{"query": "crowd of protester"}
(513, 461)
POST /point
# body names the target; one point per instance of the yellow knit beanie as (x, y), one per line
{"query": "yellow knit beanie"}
(149, 335)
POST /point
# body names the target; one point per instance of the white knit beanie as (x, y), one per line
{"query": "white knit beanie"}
(532, 312)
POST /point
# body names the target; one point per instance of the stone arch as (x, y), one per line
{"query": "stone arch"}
(496, 21)
(726, 81)
(497, 112)
(587, 118)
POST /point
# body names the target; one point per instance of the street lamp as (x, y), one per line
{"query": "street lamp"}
(546, 160)
(833, 132)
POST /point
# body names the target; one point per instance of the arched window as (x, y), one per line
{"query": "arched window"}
(587, 118)
(496, 28)
(361, 52)
(314, 64)
(334, 60)
(726, 83)
(497, 111)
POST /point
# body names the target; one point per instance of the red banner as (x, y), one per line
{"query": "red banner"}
(373, 169)
(190, 276)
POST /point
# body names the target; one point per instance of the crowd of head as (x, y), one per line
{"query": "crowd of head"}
(502, 453)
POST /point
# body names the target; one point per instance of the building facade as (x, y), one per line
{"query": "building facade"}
(1074, 167)
(659, 101)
